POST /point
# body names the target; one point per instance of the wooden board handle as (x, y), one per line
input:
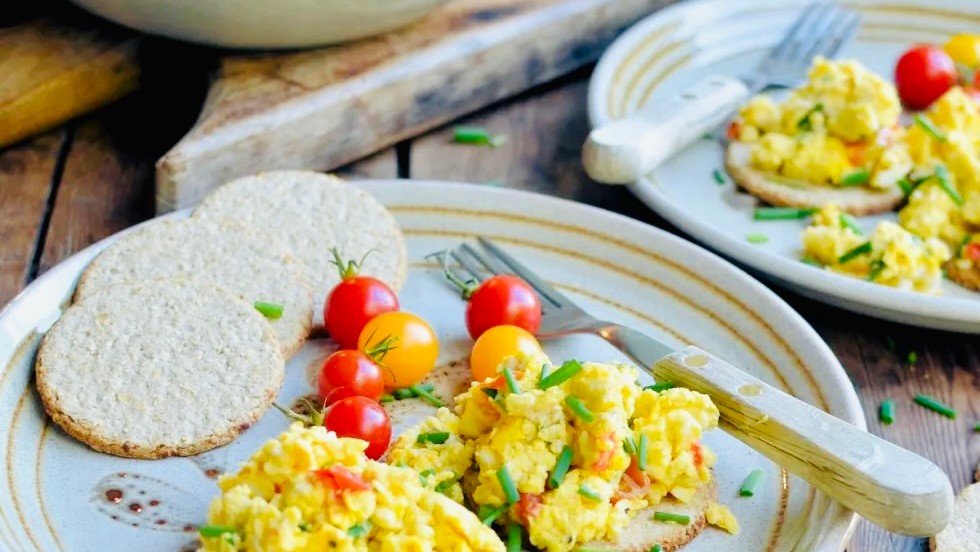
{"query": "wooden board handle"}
(884, 483)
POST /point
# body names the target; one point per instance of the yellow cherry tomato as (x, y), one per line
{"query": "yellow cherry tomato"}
(403, 344)
(496, 344)
(964, 48)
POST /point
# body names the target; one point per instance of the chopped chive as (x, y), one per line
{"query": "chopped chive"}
(855, 178)
(719, 178)
(579, 409)
(561, 467)
(853, 253)
(515, 534)
(662, 386)
(212, 531)
(656, 548)
(913, 357)
(403, 393)
(976, 426)
(811, 261)
(963, 242)
(435, 437)
(674, 518)
(942, 174)
(585, 491)
(426, 474)
(305, 527)
(629, 445)
(492, 393)
(476, 135)
(934, 405)
(886, 413)
(359, 530)
(641, 452)
(927, 125)
(426, 396)
(386, 398)
(782, 213)
(750, 483)
(877, 266)
(444, 485)
(511, 381)
(849, 222)
(491, 514)
(545, 370)
(269, 310)
(430, 387)
(805, 123)
(906, 186)
(757, 238)
(566, 372)
(707, 136)
(507, 484)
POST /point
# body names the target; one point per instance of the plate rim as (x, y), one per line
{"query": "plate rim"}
(883, 302)
(821, 353)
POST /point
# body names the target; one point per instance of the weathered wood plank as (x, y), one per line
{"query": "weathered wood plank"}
(25, 182)
(383, 164)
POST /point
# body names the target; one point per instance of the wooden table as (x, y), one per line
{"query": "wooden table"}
(69, 188)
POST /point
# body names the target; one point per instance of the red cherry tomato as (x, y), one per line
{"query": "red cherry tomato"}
(349, 373)
(922, 74)
(360, 418)
(502, 300)
(529, 507)
(341, 479)
(354, 302)
(974, 91)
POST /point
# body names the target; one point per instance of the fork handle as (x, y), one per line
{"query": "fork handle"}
(884, 483)
(622, 151)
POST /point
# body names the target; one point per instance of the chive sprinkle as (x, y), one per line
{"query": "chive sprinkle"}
(444, 485)
(492, 393)
(757, 238)
(403, 393)
(942, 174)
(853, 253)
(269, 310)
(585, 491)
(782, 213)
(877, 266)
(629, 445)
(579, 409)
(490, 515)
(561, 375)
(936, 406)
(855, 178)
(212, 531)
(435, 437)
(662, 386)
(674, 518)
(359, 530)
(927, 125)
(656, 548)
(719, 178)
(641, 452)
(305, 527)
(426, 396)
(886, 413)
(561, 467)
(976, 426)
(913, 357)
(464, 134)
(750, 484)
(511, 381)
(906, 185)
(545, 370)
(849, 222)
(425, 474)
(515, 533)
(386, 398)
(805, 123)
(507, 484)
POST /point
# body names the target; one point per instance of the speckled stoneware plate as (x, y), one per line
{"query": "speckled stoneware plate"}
(673, 48)
(58, 495)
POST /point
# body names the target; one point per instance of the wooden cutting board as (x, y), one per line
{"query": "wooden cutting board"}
(320, 109)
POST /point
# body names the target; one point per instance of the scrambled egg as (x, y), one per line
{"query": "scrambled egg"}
(309, 490)
(842, 125)
(891, 256)
(720, 516)
(496, 433)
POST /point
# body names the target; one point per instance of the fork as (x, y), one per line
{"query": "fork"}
(887, 485)
(623, 151)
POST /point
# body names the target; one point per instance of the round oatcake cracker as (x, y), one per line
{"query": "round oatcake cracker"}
(157, 369)
(252, 265)
(314, 212)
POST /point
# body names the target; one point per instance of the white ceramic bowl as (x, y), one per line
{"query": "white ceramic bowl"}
(262, 23)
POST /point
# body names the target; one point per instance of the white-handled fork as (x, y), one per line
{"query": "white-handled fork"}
(886, 484)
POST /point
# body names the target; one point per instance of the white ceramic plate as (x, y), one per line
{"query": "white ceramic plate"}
(673, 48)
(54, 491)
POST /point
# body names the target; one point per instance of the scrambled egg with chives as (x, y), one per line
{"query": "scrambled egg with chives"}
(309, 490)
(891, 256)
(569, 453)
(840, 128)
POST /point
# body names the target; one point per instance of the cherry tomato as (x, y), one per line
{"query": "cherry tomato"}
(353, 302)
(502, 300)
(349, 373)
(529, 507)
(922, 74)
(360, 418)
(341, 479)
(495, 345)
(404, 345)
(964, 48)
